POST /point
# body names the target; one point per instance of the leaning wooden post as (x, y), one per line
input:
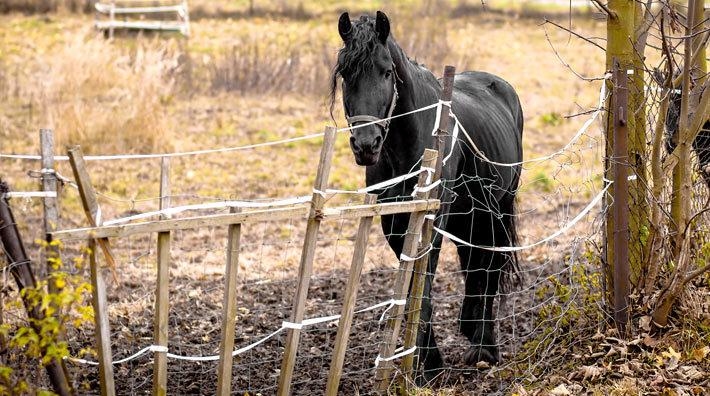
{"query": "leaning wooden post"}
(162, 294)
(88, 199)
(306, 265)
(346, 317)
(103, 331)
(620, 164)
(441, 144)
(20, 268)
(51, 212)
(229, 309)
(383, 362)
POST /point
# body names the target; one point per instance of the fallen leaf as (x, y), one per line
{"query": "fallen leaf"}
(699, 354)
(560, 390)
(673, 358)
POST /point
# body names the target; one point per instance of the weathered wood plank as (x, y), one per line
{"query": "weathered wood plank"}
(123, 230)
(271, 214)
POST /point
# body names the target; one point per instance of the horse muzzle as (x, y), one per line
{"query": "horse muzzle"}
(366, 151)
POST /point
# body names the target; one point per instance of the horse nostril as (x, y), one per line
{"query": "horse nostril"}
(354, 145)
(378, 141)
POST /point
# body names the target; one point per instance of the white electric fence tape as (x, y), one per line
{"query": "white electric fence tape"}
(548, 238)
(284, 325)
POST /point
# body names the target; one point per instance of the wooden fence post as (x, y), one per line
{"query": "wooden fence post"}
(21, 270)
(441, 145)
(51, 212)
(403, 280)
(162, 293)
(306, 264)
(346, 317)
(229, 309)
(620, 164)
(88, 199)
(103, 332)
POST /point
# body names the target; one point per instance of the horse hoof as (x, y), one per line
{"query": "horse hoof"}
(477, 354)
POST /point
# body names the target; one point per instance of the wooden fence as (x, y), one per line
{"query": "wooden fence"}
(316, 212)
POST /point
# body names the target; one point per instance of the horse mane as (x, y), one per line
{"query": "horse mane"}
(355, 58)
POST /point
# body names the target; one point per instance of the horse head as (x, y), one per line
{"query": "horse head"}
(368, 83)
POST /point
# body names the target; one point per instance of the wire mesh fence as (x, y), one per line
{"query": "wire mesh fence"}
(559, 282)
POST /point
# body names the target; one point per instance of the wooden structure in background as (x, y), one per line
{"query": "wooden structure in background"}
(143, 15)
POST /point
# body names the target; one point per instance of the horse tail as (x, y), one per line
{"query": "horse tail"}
(510, 278)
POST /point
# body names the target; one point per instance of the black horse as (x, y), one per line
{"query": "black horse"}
(379, 80)
(701, 144)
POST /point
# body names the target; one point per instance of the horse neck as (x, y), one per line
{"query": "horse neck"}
(409, 135)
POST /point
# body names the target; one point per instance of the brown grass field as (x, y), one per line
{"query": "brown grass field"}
(249, 76)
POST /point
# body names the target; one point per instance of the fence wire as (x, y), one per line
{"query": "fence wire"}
(557, 299)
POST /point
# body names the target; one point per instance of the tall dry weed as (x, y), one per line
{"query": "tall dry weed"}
(110, 98)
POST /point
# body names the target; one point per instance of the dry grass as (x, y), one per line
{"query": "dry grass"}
(108, 98)
(43, 6)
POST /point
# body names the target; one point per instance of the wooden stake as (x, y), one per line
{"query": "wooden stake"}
(103, 332)
(442, 142)
(51, 212)
(229, 310)
(306, 265)
(620, 163)
(404, 278)
(346, 318)
(88, 199)
(162, 293)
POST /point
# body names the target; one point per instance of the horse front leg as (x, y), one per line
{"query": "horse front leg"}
(477, 322)
(430, 359)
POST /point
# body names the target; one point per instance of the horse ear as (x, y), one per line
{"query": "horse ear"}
(345, 27)
(382, 27)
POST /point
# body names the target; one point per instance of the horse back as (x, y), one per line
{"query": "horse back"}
(489, 110)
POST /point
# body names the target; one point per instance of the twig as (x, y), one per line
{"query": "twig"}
(552, 46)
(606, 9)
(574, 33)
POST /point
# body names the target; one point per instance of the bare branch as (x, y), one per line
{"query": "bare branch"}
(574, 33)
(552, 46)
(606, 9)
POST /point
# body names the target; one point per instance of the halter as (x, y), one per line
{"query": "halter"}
(384, 123)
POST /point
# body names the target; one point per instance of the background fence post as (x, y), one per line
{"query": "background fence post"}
(162, 293)
(346, 318)
(229, 309)
(306, 265)
(51, 211)
(620, 168)
(402, 282)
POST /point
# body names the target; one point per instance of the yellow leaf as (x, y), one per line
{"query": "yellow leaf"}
(700, 354)
(671, 354)
(60, 283)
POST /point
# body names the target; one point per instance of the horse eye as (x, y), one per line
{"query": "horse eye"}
(388, 73)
